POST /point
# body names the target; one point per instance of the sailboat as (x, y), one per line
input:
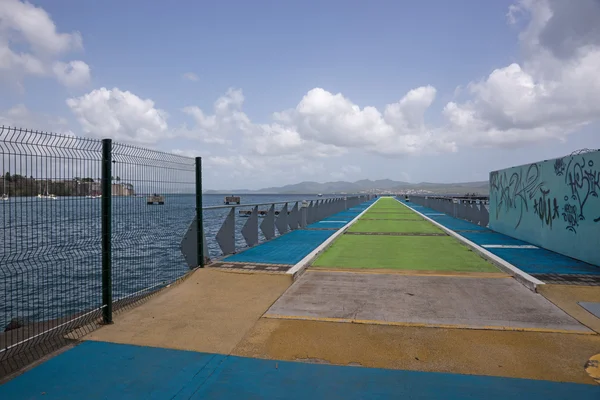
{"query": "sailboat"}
(46, 196)
(4, 194)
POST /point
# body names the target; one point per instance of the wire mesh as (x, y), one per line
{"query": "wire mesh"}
(152, 208)
(50, 235)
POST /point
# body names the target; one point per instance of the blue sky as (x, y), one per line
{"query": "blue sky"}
(456, 89)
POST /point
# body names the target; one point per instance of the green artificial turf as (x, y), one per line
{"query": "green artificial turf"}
(387, 203)
(391, 215)
(394, 226)
(425, 253)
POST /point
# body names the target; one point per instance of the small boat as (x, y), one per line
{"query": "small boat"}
(320, 195)
(4, 197)
(47, 196)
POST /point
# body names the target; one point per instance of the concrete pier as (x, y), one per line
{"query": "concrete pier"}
(391, 305)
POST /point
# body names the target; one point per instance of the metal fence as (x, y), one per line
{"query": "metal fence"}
(89, 227)
(475, 210)
(78, 237)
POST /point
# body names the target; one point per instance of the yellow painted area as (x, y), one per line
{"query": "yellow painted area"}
(529, 355)
(566, 298)
(387, 271)
(211, 311)
(592, 367)
(423, 325)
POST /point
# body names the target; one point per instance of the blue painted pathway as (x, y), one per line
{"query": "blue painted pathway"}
(97, 370)
(532, 261)
(295, 245)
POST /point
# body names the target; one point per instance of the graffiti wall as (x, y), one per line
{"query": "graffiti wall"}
(553, 204)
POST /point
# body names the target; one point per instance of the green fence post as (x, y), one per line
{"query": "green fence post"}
(106, 230)
(199, 216)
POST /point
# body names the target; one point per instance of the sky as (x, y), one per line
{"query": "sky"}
(270, 93)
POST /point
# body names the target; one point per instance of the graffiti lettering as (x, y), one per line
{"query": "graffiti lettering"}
(584, 182)
(570, 216)
(545, 209)
(516, 192)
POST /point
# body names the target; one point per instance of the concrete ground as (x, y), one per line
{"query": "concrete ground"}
(447, 301)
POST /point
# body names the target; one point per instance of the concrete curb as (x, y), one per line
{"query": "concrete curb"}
(301, 265)
(522, 277)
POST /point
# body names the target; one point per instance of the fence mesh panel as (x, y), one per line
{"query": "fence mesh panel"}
(51, 242)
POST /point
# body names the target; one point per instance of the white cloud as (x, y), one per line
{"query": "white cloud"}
(72, 74)
(190, 76)
(325, 124)
(25, 26)
(20, 116)
(332, 119)
(553, 92)
(120, 115)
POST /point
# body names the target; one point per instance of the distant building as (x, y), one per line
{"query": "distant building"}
(122, 189)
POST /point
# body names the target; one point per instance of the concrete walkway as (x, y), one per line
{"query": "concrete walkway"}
(394, 308)
(405, 241)
(425, 300)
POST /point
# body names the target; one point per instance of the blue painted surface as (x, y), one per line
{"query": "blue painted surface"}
(456, 224)
(285, 249)
(491, 237)
(347, 215)
(553, 204)
(446, 220)
(591, 307)
(542, 261)
(295, 245)
(96, 370)
(327, 224)
(531, 261)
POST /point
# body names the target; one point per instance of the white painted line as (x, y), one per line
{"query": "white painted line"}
(524, 278)
(507, 246)
(329, 222)
(301, 265)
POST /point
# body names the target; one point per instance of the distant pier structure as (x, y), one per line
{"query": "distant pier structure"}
(232, 199)
(155, 199)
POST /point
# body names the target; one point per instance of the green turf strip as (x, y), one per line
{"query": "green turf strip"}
(394, 216)
(387, 203)
(394, 226)
(431, 253)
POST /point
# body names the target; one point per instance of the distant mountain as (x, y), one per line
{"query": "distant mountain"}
(363, 185)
